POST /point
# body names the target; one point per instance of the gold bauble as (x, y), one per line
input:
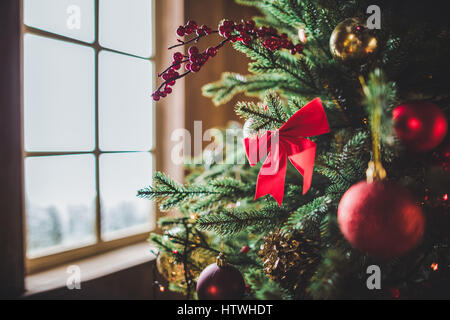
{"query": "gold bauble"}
(352, 40)
(170, 269)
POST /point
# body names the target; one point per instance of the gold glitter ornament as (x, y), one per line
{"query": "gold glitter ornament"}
(170, 269)
(351, 40)
(289, 259)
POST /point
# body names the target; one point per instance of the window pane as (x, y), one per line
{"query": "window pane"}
(60, 202)
(70, 18)
(59, 95)
(126, 26)
(125, 105)
(121, 175)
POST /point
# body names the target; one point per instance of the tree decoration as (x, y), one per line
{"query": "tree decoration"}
(287, 142)
(220, 281)
(245, 249)
(171, 270)
(420, 125)
(377, 217)
(351, 40)
(244, 32)
(289, 259)
(380, 219)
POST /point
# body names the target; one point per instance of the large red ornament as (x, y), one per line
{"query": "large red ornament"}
(380, 219)
(421, 125)
(220, 281)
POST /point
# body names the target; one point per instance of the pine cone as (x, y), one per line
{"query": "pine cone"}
(290, 260)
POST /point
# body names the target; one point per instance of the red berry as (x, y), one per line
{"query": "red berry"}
(177, 56)
(156, 96)
(222, 30)
(299, 48)
(228, 23)
(211, 51)
(163, 94)
(171, 83)
(250, 23)
(189, 30)
(246, 40)
(187, 66)
(176, 66)
(240, 27)
(166, 76)
(194, 58)
(168, 90)
(193, 50)
(193, 24)
(200, 32)
(180, 31)
(195, 67)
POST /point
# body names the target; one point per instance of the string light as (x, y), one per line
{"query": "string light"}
(161, 288)
(434, 266)
(445, 197)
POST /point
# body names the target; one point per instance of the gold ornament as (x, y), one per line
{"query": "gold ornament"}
(352, 40)
(289, 260)
(171, 270)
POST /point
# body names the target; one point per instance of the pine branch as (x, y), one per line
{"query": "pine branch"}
(231, 221)
(308, 217)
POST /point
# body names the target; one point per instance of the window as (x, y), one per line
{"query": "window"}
(88, 121)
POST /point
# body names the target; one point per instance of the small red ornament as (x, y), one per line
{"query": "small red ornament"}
(394, 292)
(220, 281)
(421, 125)
(380, 219)
(245, 249)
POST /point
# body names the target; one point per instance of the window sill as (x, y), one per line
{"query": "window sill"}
(91, 268)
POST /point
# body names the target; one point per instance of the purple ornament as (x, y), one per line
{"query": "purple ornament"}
(220, 281)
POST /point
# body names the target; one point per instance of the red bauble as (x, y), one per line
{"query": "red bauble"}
(220, 283)
(380, 219)
(420, 125)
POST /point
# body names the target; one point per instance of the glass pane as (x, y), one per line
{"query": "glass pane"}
(60, 202)
(121, 175)
(59, 95)
(125, 105)
(126, 26)
(71, 18)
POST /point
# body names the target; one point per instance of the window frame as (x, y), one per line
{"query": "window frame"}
(37, 264)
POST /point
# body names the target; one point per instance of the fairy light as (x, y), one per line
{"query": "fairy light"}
(445, 197)
(434, 266)
(162, 289)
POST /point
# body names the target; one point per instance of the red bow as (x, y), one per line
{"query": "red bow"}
(287, 142)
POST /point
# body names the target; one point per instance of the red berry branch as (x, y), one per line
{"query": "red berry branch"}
(245, 32)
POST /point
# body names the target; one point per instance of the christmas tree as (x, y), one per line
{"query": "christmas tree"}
(347, 175)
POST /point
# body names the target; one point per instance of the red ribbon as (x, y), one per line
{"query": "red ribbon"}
(288, 142)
